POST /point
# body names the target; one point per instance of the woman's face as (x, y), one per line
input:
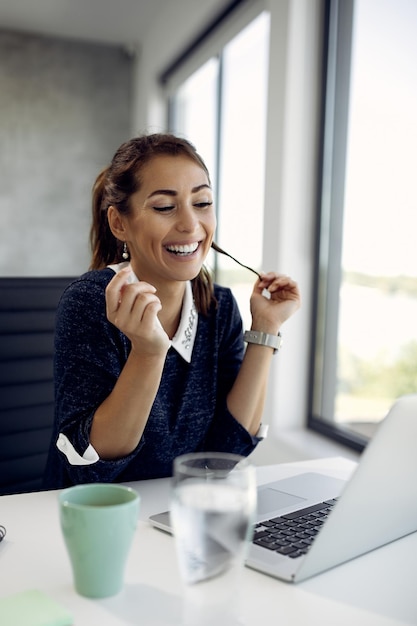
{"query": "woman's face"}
(172, 221)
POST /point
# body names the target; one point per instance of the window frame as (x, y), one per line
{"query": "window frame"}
(337, 51)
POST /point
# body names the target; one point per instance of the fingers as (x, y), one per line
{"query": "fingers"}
(115, 287)
(273, 283)
(274, 299)
(123, 297)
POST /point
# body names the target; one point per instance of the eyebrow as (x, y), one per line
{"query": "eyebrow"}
(172, 192)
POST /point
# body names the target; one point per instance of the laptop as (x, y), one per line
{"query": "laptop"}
(334, 520)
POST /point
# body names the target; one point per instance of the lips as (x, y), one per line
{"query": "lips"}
(183, 249)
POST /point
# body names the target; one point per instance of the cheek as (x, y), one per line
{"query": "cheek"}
(211, 222)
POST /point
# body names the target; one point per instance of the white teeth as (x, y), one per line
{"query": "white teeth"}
(187, 249)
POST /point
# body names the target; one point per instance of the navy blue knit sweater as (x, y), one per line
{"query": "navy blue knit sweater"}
(189, 412)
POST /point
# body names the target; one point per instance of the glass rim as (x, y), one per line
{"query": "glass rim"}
(184, 462)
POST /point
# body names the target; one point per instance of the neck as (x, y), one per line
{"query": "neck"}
(171, 297)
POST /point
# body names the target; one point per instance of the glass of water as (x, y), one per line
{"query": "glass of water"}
(213, 511)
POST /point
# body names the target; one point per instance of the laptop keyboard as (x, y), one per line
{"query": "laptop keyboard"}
(292, 534)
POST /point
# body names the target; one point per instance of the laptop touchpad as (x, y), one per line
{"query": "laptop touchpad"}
(270, 499)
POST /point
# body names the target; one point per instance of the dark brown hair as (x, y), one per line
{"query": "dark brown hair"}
(115, 185)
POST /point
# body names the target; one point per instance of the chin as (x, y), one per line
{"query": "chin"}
(188, 273)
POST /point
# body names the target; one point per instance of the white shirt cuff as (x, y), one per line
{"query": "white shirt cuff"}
(262, 431)
(89, 457)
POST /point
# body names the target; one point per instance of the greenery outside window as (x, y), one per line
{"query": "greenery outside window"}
(365, 349)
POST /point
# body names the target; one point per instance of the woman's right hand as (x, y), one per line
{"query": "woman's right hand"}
(133, 308)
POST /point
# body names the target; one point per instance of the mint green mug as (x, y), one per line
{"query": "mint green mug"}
(98, 522)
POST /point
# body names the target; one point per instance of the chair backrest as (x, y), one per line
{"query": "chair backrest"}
(27, 322)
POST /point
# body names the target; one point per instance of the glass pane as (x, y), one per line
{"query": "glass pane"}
(242, 157)
(377, 332)
(195, 112)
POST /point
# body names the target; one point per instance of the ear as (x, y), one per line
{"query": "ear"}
(116, 223)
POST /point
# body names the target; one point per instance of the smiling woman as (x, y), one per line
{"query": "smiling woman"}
(150, 360)
(171, 221)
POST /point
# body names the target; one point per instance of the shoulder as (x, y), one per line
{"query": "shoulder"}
(81, 311)
(94, 281)
(88, 288)
(221, 291)
(222, 328)
(101, 278)
(224, 297)
(226, 309)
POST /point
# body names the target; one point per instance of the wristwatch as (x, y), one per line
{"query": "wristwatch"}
(263, 339)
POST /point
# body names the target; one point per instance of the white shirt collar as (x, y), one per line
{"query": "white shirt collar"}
(183, 340)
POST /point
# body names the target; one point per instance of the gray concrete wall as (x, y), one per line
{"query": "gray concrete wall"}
(65, 106)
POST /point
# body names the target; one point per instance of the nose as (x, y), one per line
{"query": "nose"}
(187, 221)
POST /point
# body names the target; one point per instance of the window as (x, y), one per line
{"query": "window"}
(194, 112)
(221, 108)
(365, 353)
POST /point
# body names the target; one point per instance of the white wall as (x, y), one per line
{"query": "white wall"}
(291, 167)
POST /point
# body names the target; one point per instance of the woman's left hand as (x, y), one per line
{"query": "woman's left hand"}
(269, 312)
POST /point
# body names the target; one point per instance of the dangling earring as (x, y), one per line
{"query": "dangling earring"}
(125, 253)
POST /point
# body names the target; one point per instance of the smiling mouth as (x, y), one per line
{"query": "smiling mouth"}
(183, 250)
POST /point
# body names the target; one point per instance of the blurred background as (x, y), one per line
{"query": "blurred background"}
(304, 111)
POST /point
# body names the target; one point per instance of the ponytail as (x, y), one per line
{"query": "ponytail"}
(105, 247)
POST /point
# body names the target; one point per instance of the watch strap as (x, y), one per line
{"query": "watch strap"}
(263, 339)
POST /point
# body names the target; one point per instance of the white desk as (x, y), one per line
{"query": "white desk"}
(379, 588)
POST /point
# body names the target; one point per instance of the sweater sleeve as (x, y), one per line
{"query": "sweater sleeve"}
(89, 356)
(226, 434)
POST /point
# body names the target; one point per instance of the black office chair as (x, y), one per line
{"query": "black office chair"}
(27, 321)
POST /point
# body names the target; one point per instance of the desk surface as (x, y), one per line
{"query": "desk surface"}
(379, 588)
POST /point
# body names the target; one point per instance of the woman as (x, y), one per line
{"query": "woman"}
(150, 360)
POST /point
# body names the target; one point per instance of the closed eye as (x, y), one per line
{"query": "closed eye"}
(170, 207)
(167, 207)
(202, 205)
